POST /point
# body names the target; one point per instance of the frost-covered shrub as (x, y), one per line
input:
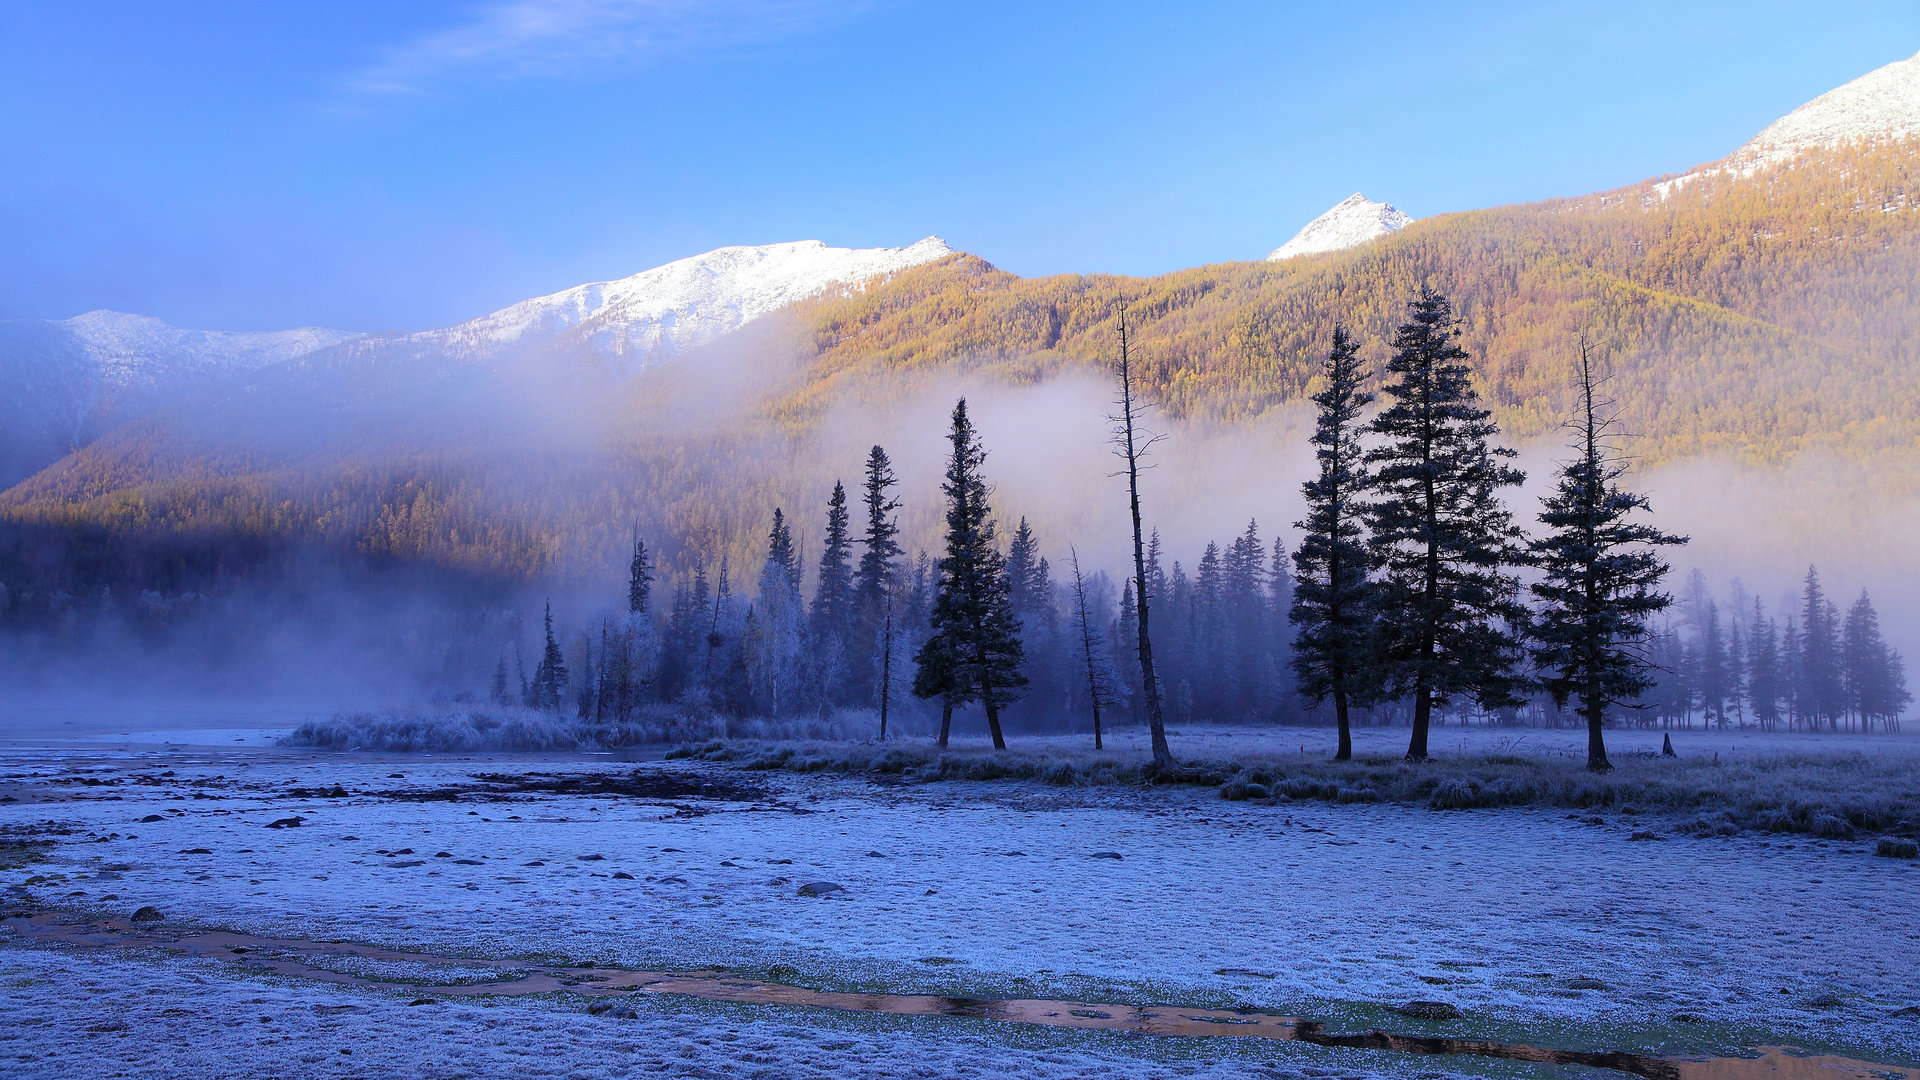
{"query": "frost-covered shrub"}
(1359, 793)
(1895, 848)
(1061, 773)
(1454, 794)
(1241, 788)
(1831, 827)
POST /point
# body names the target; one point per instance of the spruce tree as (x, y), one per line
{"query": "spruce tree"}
(1763, 674)
(1439, 533)
(1599, 581)
(639, 579)
(1819, 654)
(831, 615)
(872, 659)
(1332, 644)
(550, 677)
(974, 653)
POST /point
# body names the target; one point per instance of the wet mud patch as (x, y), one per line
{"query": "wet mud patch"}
(440, 978)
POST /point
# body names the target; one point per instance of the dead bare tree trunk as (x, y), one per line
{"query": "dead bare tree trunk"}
(886, 667)
(1126, 426)
(1086, 645)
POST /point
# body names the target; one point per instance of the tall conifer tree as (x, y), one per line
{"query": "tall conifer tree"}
(639, 579)
(1599, 585)
(974, 653)
(1440, 534)
(1332, 655)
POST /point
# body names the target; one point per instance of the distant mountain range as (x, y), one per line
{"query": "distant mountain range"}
(1761, 306)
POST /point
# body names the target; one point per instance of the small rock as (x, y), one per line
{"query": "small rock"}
(672, 879)
(468, 862)
(875, 855)
(622, 875)
(195, 851)
(286, 823)
(424, 1001)
(1827, 1001)
(1429, 1010)
(595, 1008)
(404, 863)
(444, 855)
(590, 858)
(535, 862)
(151, 818)
(820, 888)
(1114, 855)
(147, 913)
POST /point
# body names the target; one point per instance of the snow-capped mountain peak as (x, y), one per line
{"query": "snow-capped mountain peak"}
(1353, 221)
(138, 349)
(689, 302)
(1882, 104)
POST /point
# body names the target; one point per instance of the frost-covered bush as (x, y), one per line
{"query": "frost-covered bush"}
(1830, 826)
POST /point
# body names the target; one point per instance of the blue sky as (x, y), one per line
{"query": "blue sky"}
(398, 166)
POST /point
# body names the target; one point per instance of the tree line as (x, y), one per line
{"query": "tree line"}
(1406, 593)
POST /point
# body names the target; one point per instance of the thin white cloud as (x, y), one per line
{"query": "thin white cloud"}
(559, 38)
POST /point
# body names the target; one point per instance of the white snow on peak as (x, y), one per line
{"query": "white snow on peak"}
(139, 349)
(1353, 221)
(675, 307)
(1882, 104)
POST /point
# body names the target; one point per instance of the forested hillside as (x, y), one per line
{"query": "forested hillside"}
(1759, 317)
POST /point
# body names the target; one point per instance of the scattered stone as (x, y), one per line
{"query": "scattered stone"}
(1827, 1001)
(730, 863)
(286, 823)
(147, 913)
(1012, 853)
(674, 849)
(820, 888)
(590, 858)
(622, 875)
(1114, 855)
(535, 862)
(595, 1008)
(875, 855)
(423, 1001)
(933, 892)
(468, 862)
(402, 851)
(672, 879)
(404, 863)
(151, 818)
(443, 854)
(1891, 847)
(770, 862)
(195, 851)
(1429, 1010)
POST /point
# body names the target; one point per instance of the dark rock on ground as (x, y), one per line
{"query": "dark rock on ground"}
(1105, 855)
(286, 823)
(820, 888)
(150, 818)
(147, 913)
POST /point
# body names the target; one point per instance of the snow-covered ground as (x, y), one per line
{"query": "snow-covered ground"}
(1543, 928)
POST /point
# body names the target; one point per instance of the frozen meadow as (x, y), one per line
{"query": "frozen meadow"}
(1597, 931)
